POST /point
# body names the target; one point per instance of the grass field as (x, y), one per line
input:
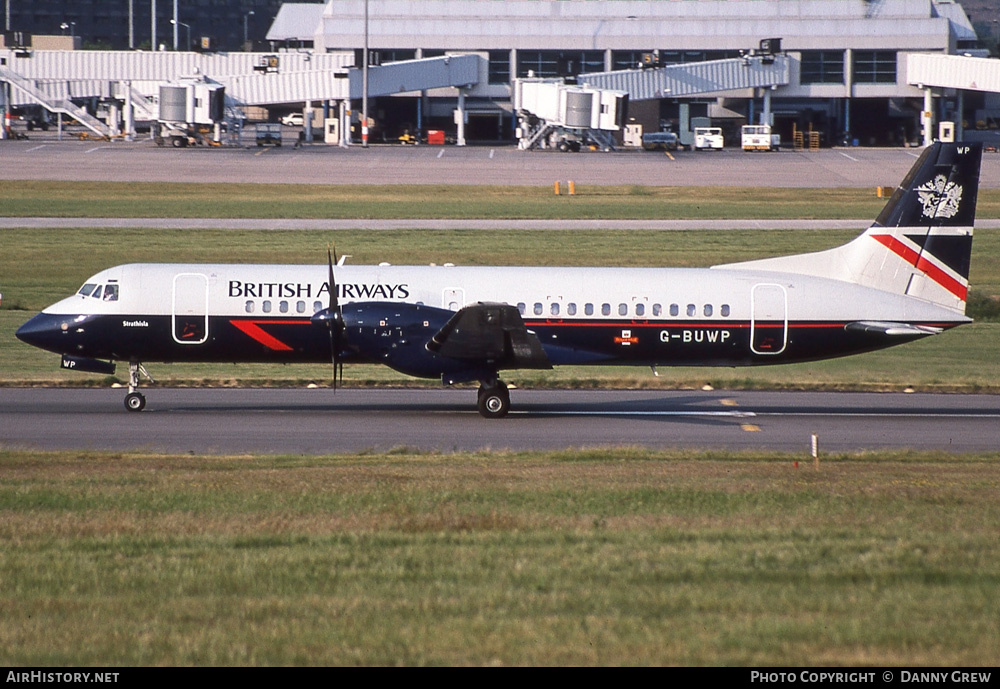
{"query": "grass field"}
(153, 200)
(605, 557)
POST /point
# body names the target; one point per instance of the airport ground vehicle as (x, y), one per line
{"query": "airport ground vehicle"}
(294, 119)
(758, 137)
(268, 133)
(660, 140)
(708, 138)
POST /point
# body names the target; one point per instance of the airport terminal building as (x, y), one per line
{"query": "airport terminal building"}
(847, 58)
(865, 72)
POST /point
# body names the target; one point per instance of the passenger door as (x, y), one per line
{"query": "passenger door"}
(189, 312)
(768, 319)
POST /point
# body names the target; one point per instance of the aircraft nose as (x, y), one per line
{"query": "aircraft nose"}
(44, 331)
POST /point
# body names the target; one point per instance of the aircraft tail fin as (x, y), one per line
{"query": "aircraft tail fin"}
(920, 244)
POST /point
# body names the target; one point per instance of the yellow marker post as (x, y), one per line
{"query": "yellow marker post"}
(572, 188)
(557, 187)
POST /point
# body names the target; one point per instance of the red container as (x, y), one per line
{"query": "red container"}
(435, 137)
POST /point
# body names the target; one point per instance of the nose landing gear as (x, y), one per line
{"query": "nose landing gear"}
(135, 400)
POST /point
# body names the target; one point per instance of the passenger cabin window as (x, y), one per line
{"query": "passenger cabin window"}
(571, 309)
(657, 309)
(640, 309)
(537, 308)
(588, 309)
(249, 306)
(674, 310)
(521, 307)
(300, 307)
(554, 308)
(317, 306)
(605, 309)
(623, 309)
(266, 306)
(725, 310)
(283, 306)
(708, 310)
(692, 309)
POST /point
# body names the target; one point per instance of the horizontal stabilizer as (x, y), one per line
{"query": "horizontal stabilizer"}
(891, 329)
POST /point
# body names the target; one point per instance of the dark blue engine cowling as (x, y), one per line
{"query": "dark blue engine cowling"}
(397, 334)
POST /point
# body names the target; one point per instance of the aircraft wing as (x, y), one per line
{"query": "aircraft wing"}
(490, 332)
(891, 329)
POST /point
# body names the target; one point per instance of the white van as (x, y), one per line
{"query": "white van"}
(707, 137)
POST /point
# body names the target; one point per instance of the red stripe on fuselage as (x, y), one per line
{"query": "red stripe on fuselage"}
(918, 261)
(253, 329)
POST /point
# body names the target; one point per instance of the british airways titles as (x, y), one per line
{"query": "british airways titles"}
(299, 290)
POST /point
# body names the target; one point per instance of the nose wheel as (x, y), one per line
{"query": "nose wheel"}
(494, 400)
(135, 400)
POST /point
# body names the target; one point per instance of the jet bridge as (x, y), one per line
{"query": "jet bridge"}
(552, 114)
(133, 79)
(542, 104)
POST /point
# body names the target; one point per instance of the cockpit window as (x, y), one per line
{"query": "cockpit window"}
(109, 292)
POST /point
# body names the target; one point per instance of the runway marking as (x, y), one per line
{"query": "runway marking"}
(751, 414)
(750, 428)
(848, 157)
(440, 153)
(731, 414)
(261, 151)
(95, 149)
(492, 151)
(887, 414)
(35, 148)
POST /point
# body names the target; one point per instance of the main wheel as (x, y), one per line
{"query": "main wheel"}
(494, 402)
(134, 401)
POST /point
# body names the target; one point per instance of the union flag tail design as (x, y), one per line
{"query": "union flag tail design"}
(920, 244)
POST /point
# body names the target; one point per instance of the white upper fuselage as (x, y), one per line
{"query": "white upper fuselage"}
(568, 293)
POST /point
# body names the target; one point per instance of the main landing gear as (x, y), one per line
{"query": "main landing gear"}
(494, 399)
(135, 400)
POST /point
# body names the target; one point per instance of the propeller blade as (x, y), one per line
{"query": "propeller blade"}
(336, 320)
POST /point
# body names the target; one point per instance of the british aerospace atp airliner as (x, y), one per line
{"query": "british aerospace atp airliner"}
(904, 278)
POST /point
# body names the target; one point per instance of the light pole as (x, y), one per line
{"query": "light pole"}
(245, 30)
(364, 87)
(187, 28)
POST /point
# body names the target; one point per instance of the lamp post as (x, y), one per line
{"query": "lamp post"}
(187, 27)
(364, 87)
(246, 32)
